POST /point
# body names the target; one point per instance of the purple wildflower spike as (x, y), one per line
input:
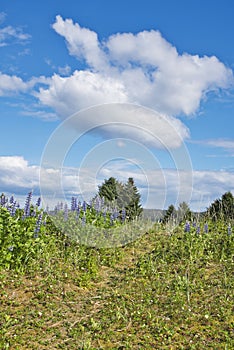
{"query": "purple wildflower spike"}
(187, 227)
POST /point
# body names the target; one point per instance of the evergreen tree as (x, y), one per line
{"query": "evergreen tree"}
(132, 200)
(228, 205)
(184, 212)
(222, 208)
(108, 189)
(170, 214)
(122, 196)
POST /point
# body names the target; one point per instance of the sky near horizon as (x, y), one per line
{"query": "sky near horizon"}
(95, 89)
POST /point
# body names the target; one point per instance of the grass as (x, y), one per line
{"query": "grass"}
(166, 290)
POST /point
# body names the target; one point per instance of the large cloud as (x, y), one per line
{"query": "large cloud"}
(143, 68)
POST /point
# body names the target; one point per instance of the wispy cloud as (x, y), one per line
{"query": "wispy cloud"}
(12, 35)
(221, 143)
(66, 70)
(226, 145)
(2, 17)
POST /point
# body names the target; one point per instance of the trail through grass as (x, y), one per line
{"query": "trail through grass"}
(164, 291)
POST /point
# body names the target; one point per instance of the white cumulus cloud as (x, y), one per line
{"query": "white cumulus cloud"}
(140, 68)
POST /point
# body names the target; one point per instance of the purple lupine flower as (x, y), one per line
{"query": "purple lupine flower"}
(3, 200)
(194, 224)
(229, 230)
(206, 228)
(27, 204)
(104, 214)
(84, 206)
(38, 224)
(115, 214)
(198, 230)
(13, 209)
(73, 204)
(102, 202)
(65, 212)
(187, 227)
(11, 201)
(111, 219)
(98, 204)
(38, 203)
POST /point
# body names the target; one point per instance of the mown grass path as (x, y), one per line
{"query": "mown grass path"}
(160, 292)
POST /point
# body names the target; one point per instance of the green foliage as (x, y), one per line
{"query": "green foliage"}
(222, 208)
(132, 200)
(178, 216)
(108, 189)
(183, 212)
(122, 196)
(19, 243)
(170, 214)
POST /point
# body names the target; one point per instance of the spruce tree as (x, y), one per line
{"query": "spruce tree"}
(169, 215)
(108, 189)
(222, 208)
(132, 199)
(122, 196)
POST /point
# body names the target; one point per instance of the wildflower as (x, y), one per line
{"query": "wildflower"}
(187, 227)
(198, 230)
(13, 209)
(123, 215)
(73, 204)
(104, 214)
(206, 228)
(38, 203)
(84, 206)
(98, 204)
(11, 201)
(38, 224)
(27, 204)
(111, 219)
(11, 248)
(3, 200)
(115, 214)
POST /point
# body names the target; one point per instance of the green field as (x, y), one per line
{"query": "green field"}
(169, 289)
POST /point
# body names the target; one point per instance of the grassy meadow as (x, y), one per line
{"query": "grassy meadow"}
(169, 289)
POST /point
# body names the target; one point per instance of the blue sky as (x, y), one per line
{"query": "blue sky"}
(150, 87)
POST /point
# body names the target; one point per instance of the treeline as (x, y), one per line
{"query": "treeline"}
(222, 208)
